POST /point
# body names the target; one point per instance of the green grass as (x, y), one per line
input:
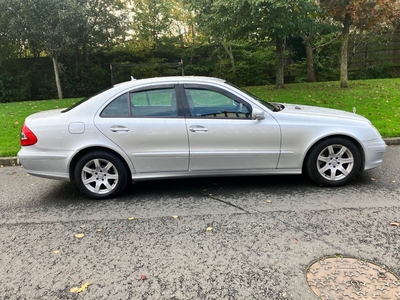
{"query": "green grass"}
(378, 100)
(12, 116)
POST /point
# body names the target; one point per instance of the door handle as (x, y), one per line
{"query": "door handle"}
(198, 128)
(118, 128)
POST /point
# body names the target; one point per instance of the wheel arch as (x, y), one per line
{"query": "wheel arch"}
(349, 138)
(85, 151)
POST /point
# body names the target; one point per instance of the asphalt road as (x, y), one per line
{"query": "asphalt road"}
(234, 238)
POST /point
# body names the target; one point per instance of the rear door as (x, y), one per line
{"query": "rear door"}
(223, 135)
(149, 125)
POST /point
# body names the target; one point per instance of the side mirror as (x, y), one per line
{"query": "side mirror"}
(258, 114)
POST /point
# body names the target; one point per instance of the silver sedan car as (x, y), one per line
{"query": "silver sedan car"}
(190, 127)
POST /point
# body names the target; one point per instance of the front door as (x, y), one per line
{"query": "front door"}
(223, 136)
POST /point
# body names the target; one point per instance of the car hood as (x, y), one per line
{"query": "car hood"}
(321, 112)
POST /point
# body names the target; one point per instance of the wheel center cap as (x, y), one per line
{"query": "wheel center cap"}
(100, 176)
(334, 162)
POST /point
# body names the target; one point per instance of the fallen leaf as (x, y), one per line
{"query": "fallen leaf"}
(143, 277)
(269, 201)
(79, 235)
(373, 179)
(131, 218)
(395, 224)
(99, 229)
(175, 217)
(56, 251)
(81, 289)
(209, 228)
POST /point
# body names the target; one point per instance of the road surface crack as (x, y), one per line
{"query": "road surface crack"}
(229, 203)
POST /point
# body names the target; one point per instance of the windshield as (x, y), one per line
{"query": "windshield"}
(269, 105)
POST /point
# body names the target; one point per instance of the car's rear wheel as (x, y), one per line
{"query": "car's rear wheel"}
(100, 175)
(334, 162)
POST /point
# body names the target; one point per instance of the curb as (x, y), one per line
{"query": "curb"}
(392, 141)
(14, 161)
(9, 161)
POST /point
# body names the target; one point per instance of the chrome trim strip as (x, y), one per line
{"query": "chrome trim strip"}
(217, 173)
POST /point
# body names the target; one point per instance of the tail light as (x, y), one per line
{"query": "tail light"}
(28, 138)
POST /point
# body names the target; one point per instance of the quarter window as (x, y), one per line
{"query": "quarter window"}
(117, 108)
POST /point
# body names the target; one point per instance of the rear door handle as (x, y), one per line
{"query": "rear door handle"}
(118, 128)
(198, 128)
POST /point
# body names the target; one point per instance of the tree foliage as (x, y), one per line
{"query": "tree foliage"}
(256, 20)
(360, 15)
(106, 23)
(153, 20)
(47, 25)
(231, 39)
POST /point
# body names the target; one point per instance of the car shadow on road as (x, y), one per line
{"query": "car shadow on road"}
(66, 193)
(232, 185)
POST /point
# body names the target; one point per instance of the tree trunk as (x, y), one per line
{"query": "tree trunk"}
(280, 48)
(344, 56)
(230, 54)
(57, 75)
(310, 58)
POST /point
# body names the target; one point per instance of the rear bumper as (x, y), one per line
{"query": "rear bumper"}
(47, 165)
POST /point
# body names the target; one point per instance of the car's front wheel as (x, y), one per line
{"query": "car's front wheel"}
(334, 162)
(100, 175)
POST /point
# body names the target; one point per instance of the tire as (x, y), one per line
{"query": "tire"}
(101, 175)
(334, 162)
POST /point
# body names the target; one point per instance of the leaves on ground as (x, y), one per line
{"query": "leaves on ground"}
(79, 235)
(396, 224)
(209, 228)
(82, 288)
(131, 218)
(175, 217)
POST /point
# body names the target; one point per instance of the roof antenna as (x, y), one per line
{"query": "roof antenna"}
(132, 79)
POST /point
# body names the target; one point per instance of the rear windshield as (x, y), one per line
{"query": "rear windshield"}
(81, 101)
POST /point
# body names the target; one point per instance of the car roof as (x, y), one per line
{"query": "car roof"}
(132, 84)
(182, 79)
